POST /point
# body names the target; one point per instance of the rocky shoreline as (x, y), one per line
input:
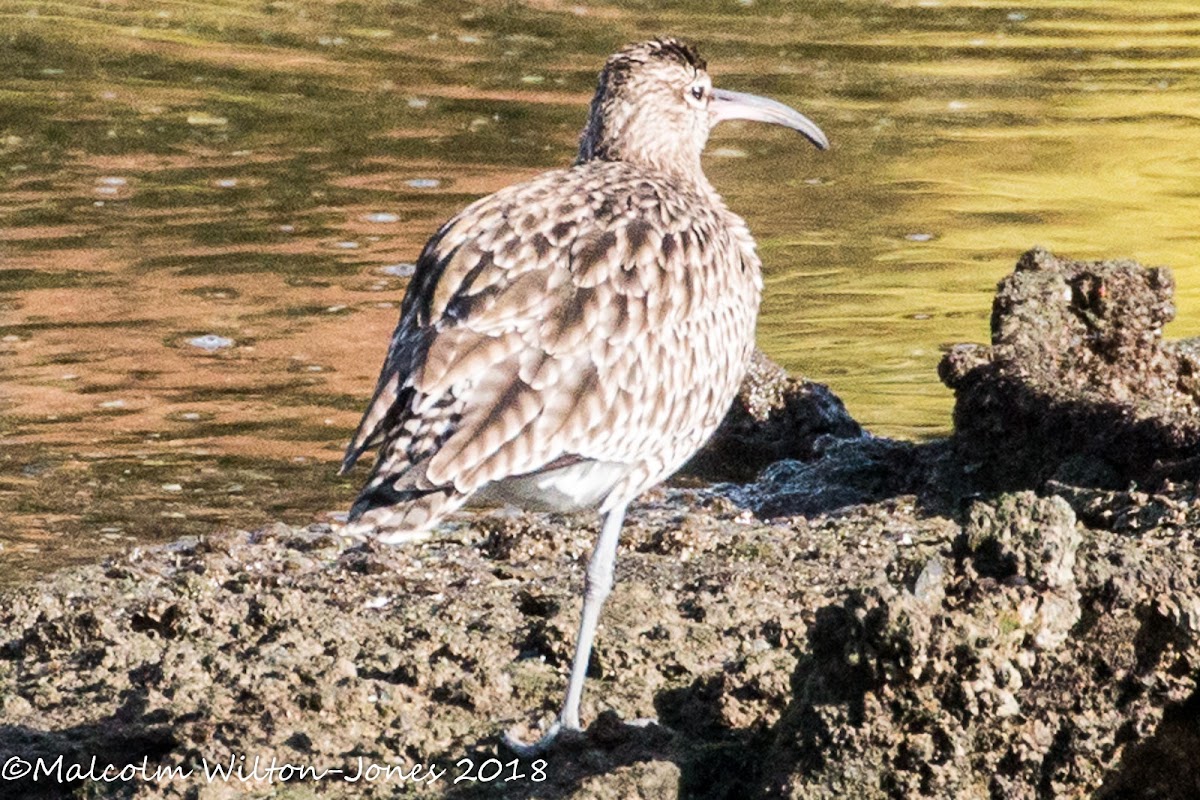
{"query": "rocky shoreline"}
(1013, 612)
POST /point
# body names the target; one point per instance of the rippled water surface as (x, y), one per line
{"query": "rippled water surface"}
(207, 210)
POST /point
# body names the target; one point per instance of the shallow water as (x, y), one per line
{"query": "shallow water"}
(206, 210)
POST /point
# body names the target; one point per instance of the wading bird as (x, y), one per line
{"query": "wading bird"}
(570, 341)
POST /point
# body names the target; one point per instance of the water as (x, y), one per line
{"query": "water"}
(207, 211)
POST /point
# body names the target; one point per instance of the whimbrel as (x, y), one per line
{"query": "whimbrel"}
(570, 341)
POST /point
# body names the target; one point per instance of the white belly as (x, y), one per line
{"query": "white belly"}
(572, 488)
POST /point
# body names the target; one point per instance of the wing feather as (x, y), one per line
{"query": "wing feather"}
(533, 327)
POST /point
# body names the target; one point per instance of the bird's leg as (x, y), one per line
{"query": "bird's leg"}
(597, 585)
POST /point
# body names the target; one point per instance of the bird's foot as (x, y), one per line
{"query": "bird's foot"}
(556, 734)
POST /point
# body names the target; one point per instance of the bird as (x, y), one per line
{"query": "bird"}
(571, 341)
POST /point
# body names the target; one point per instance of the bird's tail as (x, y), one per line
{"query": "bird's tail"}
(397, 511)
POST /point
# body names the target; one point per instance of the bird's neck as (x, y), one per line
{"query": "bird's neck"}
(690, 174)
(626, 138)
(664, 162)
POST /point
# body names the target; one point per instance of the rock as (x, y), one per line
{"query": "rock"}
(885, 650)
(1078, 384)
(930, 587)
(845, 472)
(651, 780)
(1132, 510)
(774, 417)
(1025, 536)
(993, 691)
(1032, 541)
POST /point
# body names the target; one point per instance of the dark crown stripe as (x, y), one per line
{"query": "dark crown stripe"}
(664, 48)
(680, 51)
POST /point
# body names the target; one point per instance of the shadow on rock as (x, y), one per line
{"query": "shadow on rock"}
(794, 450)
(774, 417)
(1078, 395)
(125, 739)
(610, 759)
(1164, 765)
(849, 472)
(1015, 669)
(1078, 384)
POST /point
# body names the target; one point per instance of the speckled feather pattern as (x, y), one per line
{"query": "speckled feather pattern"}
(602, 312)
(572, 340)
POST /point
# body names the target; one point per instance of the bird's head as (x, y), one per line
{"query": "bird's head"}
(655, 105)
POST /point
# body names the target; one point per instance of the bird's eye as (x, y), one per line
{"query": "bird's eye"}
(698, 92)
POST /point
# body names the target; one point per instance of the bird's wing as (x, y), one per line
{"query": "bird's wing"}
(408, 344)
(532, 329)
(471, 253)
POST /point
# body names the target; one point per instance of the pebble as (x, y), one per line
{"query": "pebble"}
(210, 342)
(203, 118)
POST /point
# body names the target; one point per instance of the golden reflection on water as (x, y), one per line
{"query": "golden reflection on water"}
(259, 173)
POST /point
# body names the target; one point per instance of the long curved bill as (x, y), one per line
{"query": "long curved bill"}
(727, 105)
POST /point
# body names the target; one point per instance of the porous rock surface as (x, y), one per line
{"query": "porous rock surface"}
(775, 416)
(876, 652)
(1078, 383)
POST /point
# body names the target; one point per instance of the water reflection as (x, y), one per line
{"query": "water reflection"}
(257, 177)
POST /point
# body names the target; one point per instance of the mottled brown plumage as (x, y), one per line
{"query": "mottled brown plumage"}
(570, 341)
(595, 313)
